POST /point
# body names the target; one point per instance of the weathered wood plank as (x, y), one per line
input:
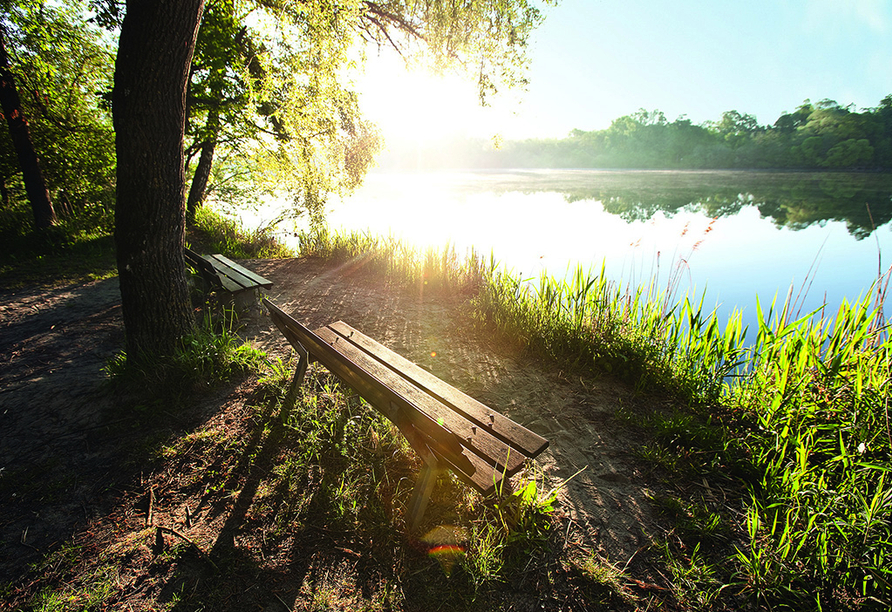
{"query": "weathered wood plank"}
(219, 269)
(474, 438)
(513, 434)
(225, 273)
(253, 279)
(373, 390)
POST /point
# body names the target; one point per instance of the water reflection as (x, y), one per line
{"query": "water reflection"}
(732, 235)
(794, 200)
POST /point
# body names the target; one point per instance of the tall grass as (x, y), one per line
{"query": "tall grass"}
(436, 270)
(636, 333)
(802, 409)
(216, 233)
(819, 392)
(818, 517)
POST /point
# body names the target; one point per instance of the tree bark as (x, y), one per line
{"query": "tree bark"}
(35, 185)
(205, 162)
(149, 109)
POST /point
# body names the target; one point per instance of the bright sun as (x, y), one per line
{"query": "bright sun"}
(414, 107)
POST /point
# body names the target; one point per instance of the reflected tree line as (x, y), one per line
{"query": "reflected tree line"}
(862, 201)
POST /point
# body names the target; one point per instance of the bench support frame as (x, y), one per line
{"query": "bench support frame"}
(300, 372)
(424, 486)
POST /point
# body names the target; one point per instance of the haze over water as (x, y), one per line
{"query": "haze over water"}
(734, 235)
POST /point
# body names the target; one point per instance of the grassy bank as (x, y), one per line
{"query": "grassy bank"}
(213, 232)
(787, 425)
(792, 418)
(80, 248)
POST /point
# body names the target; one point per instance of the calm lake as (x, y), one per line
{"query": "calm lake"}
(731, 235)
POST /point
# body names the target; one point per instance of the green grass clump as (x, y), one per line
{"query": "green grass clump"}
(211, 354)
(637, 334)
(215, 233)
(820, 515)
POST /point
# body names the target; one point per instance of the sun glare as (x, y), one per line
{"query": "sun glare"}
(417, 106)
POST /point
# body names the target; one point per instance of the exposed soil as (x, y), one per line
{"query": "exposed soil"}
(69, 468)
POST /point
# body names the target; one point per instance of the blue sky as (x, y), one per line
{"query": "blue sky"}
(596, 60)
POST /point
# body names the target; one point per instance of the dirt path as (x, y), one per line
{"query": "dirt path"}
(60, 459)
(606, 502)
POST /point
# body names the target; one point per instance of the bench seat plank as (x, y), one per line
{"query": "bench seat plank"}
(514, 434)
(236, 271)
(231, 277)
(226, 273)
(476, 439)
(209, 272)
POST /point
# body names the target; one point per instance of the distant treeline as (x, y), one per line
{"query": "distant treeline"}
(819, 136)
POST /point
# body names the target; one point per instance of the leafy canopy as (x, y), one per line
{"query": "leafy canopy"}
(63, 67)
(271, 82)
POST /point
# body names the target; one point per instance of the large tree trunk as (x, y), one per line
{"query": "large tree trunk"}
(149, 109)
(35, 186)
(205, 162)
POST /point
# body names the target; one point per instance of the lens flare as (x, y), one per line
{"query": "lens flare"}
(447, 545)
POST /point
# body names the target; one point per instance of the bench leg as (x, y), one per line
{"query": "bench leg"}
(303, 360)
(423, 488)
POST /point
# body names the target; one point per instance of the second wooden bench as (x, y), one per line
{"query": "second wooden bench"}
(220, 274)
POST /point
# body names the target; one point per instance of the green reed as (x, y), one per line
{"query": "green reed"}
(815, 389)
(636, 333)
(819, 393)
(432, 269)
(801, 411)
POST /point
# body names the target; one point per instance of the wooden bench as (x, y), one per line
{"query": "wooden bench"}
(236, 283)
(447, 428)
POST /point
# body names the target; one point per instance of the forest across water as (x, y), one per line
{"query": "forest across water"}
(824, 135)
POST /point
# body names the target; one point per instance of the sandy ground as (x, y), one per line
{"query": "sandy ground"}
(54, 407)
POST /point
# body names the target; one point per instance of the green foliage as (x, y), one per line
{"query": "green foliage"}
(509, 530)
(208, 356)
(805, 433)
(820, 513)
(270, 93)
(638, 334)
(265, 97)
(78, 249)
(89, 593)
(217, 233)
(63, 67)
